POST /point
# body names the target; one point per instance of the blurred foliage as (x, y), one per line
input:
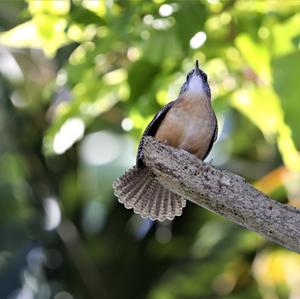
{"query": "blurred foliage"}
(79, 81)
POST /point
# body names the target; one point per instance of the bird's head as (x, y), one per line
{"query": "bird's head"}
(196, 82)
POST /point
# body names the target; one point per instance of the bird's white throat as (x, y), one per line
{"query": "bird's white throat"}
(196, 85)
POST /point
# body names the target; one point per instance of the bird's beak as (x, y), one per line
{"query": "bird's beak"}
(196, 69)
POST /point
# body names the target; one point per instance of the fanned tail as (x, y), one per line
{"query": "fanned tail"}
(140, 190)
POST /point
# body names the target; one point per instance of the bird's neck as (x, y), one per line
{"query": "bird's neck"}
(197, 96)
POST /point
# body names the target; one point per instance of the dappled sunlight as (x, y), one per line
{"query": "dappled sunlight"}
(71, 131)
(277, 269)
(55, 7)
(166, 10)
(100, 148)
(115, 77)
(133, 53)
(43, 32)
(79, 54)
(52, 213)
(97, 6)
(9, 66)
(198, 40)
(127, 124)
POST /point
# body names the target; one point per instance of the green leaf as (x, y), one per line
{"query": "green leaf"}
(263, 108)
(140, 78)
(52, 7)
(190, 19)
(286, 72)
(256, 55)
(84, 16)
(43, 31)
(157, 49)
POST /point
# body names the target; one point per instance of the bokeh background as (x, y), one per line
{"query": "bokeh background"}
(79, 81)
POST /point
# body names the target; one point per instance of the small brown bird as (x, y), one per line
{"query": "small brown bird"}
(187, 123)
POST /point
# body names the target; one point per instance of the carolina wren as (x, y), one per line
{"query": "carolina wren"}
(187, 123)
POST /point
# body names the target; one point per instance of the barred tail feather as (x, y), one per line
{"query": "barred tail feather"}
(140, 190)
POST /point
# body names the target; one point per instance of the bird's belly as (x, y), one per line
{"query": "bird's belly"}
(189, 126)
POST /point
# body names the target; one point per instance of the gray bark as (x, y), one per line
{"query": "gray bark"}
(224, 193)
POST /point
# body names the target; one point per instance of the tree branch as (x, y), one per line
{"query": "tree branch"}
(224, 193)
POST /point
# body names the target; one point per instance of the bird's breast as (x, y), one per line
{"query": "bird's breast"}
(189, 124)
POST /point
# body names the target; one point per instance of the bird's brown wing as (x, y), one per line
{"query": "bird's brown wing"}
(213, 139)
(151, 130)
